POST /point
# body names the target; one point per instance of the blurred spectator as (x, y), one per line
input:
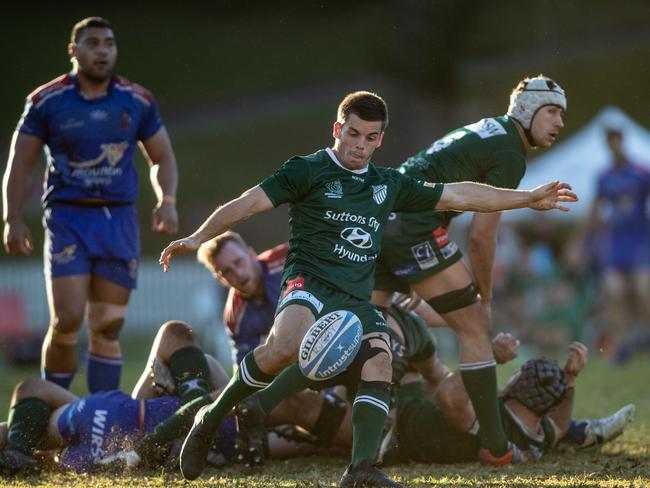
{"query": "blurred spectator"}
(620, 225)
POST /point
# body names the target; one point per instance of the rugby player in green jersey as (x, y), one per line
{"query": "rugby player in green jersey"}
(418, 255)
(339, 205)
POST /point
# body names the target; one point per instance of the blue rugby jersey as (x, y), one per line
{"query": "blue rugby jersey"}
(90, 144)
(249, 320)
(625, 192)
(100, 424)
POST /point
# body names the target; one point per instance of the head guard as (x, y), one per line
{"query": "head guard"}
(529, 96)
(541, 385)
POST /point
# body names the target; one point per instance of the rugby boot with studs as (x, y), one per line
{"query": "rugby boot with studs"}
(366, 474)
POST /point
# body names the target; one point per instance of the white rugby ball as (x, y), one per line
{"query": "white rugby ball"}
(330, 345)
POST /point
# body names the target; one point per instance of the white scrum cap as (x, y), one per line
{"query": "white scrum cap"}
(532, 94)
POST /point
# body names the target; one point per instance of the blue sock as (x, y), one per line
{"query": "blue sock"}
(576, 433)
(61, 379)
(103, 373)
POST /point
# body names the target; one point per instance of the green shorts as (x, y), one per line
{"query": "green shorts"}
(322, 299)
(423, 433)
(414, 247)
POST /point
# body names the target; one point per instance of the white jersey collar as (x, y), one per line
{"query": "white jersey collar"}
(335, 159)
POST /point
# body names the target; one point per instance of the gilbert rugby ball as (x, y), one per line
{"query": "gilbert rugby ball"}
(330, 345)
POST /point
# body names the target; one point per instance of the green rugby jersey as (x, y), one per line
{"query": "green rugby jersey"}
(337, 216)
(489, 151)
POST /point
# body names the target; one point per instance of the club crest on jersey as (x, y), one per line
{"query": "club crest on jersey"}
(379, 193)
(334, 189)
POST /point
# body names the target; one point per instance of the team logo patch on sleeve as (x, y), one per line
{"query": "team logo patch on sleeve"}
(379, 193)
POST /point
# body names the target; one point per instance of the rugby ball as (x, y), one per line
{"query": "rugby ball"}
(330, 345)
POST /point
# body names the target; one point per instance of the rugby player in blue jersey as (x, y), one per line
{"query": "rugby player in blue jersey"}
(89, 121)
(254, 286)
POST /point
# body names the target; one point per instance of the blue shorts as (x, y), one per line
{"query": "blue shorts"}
(627, 253)
(102, 241)
(98, 425)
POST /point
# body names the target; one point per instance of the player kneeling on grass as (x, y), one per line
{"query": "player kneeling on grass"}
(536, 407)
(44, 415)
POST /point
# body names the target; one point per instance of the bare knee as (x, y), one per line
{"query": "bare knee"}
(177, 332)
(31, 387)
(64, 327)
(378, 368)
(105, 320)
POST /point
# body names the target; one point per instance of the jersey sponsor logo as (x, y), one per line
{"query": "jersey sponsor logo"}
(303, 295)
(295, 284)
(334, 189)
(98, 432)
(71, 123)
(449, 250)
(379, 193)
(424, 255)
(405, 270)
(440, 144)
(357, 237)
(344, 253)
(440, 236)
(371, 222)
(99, 115)
(486, 128)
(65, 256)
(111, 152)
(357, 178)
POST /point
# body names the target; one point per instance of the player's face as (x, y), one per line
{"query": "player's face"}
(238, 268)
(95, 53)
(546, 125)
(355, 141)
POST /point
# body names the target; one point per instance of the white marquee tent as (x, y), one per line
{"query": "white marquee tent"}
(579, 159)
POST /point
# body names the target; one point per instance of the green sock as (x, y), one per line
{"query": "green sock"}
(369, 413)
(480, 380)
(191, 373)
(249, 379)
(175, 427)
(26, 424)
(287, 383)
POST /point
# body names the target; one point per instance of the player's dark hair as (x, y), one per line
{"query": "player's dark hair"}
(87, 23)
(210, 249)
(365, 105)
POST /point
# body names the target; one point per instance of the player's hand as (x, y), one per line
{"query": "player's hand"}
(504, 347)
(407, 301)
(165, 218)
(17, 239)
(576, 359)
(181, 246)
(551, 195)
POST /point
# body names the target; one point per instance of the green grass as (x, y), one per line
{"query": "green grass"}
(601, 389)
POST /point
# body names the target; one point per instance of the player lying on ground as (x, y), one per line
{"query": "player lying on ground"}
(535, 405)
(47, 416)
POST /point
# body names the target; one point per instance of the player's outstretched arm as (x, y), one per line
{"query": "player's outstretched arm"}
(477, 197)
(251, 202)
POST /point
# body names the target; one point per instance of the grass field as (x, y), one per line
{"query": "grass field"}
(601, 389)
